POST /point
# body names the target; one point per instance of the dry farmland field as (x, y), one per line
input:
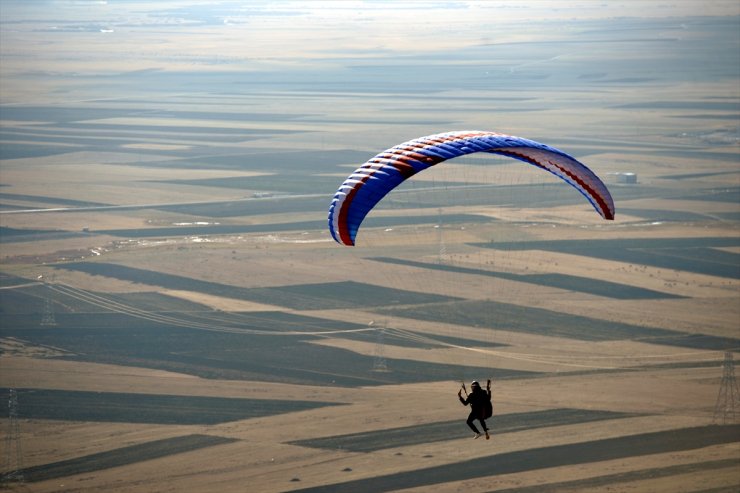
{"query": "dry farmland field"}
(147, 359)
(174, 315)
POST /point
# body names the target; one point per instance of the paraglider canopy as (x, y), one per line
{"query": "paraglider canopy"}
(372, 181)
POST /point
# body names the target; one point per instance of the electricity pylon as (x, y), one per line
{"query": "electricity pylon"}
(13, 471)
(728, 400)
(441, 241)
(379, 362)
(47, 317)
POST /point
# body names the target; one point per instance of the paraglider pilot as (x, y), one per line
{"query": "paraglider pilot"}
(481, 407)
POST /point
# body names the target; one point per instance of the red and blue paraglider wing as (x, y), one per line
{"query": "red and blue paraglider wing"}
(372, 181)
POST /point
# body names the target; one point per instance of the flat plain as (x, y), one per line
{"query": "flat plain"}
(174, 315)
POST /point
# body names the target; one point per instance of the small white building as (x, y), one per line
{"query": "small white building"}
(626, 177)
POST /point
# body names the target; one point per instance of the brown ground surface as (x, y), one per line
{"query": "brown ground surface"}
(664, 391)
(263, 458)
